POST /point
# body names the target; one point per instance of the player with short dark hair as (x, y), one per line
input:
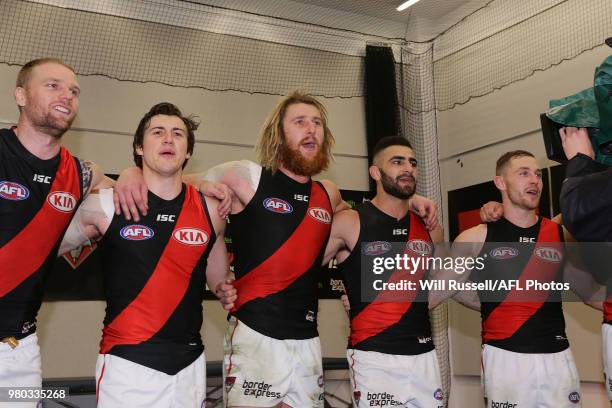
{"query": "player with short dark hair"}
(151, 353)
(391, 355)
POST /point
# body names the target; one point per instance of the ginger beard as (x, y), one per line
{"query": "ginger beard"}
(392, 186)
(295, 162)
(50, 109)
(46, 123)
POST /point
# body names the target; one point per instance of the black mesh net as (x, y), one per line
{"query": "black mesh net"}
(493, 48)
(189, 44)
(143, 51)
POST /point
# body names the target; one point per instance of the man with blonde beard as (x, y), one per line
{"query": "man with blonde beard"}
(272, 349)
(41, 185)
(281, 220)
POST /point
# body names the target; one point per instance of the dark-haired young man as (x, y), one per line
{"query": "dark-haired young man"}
(151, 353)
(391, 355)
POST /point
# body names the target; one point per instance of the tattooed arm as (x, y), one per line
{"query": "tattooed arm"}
(93, 177)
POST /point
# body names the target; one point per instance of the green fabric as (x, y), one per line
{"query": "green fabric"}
(591, 108)
(576, 112)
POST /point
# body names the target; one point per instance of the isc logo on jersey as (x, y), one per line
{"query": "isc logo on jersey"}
(549, 254)
(320, 214)
(419, 246)
(375, 248)
(276, 205)
(13, 191)
(502, 253)
(136, 232)
(62, 201)
(190, 236)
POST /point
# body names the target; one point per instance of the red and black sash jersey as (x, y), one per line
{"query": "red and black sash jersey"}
(396, 322)
(38, 199)
(154, 277)
(514, 324)
(279, 239)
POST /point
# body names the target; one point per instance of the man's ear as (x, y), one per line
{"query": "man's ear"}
(139, 150)
(499, 183)
(375, 172)
(20, 96)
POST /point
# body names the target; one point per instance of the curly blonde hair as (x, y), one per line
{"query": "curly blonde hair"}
(272, 136)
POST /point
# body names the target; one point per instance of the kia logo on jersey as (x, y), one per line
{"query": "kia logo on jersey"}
(320, 214)
(276, 205)
(190, 236)
(549, 254)
(376, 248)
(13, 191)
(62, 201)
(419, 246)
(136, 232)
(504, 253)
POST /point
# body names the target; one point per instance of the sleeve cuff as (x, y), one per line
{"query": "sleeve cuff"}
(580, 165)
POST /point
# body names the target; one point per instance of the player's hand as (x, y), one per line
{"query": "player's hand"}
(226, 293)
(426, 209)
(576, 140)
(130, 194)
(491, 211)
(221, 192)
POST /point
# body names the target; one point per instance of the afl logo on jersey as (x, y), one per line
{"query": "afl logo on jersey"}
(375, 248)
(13, 191)
(320, 214)
(419, 246)
(502, 253)
(276, 205)
(549, 254)
(62, 201)
(136, 232)
(190, 236)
